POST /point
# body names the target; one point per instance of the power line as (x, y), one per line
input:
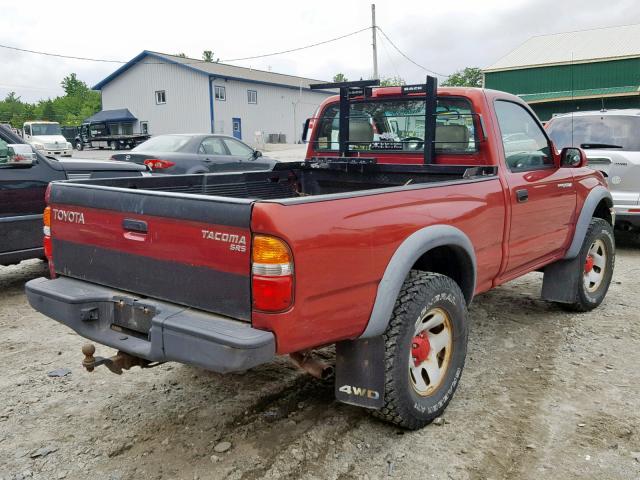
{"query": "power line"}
(388, 55)
(298, 48)
(48, 54)
(192, 62)
(407, 57)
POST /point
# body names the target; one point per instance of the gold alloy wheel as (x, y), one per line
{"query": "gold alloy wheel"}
(595, 266)
(431, 350)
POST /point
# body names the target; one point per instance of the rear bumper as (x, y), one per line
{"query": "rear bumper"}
(627, 214)
(64, 152)
(177, 334)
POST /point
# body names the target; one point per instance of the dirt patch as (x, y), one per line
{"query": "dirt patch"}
(545, 394)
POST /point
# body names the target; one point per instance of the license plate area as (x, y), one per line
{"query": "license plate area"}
(132, 315)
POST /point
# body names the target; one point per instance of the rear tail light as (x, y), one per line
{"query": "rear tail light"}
(46, 220)
(271, 274)
(46, 242)
(157, 164)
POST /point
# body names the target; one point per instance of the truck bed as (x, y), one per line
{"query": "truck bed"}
(300, 181)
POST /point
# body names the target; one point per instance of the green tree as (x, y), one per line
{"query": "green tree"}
(340, 77)
(467, 77)
(72, 86)
(49, 112)
(207, 56)
(78, 103)
(392, 81)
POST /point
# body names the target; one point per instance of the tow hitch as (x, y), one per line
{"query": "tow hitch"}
(116, 364)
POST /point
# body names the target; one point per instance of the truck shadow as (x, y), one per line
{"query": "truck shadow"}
(13, 277)
(627, 240)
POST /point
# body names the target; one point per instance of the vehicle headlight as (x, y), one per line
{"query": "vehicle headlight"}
(38, 146)
(69, 146)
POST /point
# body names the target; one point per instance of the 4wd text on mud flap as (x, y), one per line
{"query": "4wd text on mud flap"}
(359, 391)
(238, 243)
(68, 216)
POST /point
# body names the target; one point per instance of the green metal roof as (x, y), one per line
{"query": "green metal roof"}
(576, 94)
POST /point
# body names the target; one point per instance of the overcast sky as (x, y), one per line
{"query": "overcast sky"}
(441, 35)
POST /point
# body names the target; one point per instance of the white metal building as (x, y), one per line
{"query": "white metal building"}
(171, 94)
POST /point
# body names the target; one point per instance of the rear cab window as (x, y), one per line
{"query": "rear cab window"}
(397, 126)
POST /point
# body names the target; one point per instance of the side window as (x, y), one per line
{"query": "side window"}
(252, 96)
(220, 93)
(237, 148)
(525, 145)
(27, 129)
(161, 97)
(212, 146)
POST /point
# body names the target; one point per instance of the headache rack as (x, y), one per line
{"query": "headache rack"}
(350, 92)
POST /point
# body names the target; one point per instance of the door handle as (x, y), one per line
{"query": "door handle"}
(207, 160)
(133, 225)
(522, 195)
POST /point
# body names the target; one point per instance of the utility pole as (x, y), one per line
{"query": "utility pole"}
(375, 47)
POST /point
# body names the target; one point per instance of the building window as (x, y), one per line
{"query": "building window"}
(221, 93)
(144, 128)
(161, 97)
(252, 96)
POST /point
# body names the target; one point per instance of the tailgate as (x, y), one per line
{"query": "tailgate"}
(186, 249)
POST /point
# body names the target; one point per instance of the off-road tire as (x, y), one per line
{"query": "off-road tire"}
(421, 292)
(599, 229)
(79, 146)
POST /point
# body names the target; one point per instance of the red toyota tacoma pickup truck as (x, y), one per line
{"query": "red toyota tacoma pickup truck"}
(409, 203)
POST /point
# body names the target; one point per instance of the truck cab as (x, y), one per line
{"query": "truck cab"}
(47, 138)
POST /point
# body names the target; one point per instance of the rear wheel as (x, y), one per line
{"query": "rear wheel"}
(425, 350)
(596, 263)
(79, 146)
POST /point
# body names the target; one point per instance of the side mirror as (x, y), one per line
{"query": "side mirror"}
(305, 130)
(257, 154)
(19, 154)
(573, 157)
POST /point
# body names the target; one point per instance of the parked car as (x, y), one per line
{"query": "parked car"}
(196, 153)
(24, 176)
(378, 249)
(611, 139)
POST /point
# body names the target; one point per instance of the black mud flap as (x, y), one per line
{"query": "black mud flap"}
(561, 281)
(360, 372)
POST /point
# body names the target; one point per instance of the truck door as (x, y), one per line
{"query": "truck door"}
(542, 195)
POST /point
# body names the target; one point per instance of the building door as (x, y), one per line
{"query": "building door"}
(237, 128)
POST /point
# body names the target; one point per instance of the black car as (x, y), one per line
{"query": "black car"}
(196, 153)
(24, 176)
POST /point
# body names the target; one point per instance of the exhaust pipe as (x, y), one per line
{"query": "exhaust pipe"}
(312, 366)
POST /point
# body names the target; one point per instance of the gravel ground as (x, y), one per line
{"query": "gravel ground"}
(545, 394)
